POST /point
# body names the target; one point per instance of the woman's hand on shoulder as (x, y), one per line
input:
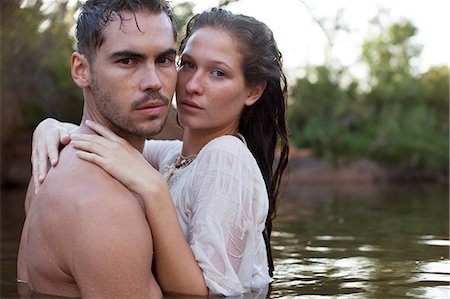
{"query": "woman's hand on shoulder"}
(119, 158)
(47, 137)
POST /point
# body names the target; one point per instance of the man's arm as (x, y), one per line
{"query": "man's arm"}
(112, 246)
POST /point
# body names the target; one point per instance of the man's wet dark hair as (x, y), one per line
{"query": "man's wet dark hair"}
(96, 14)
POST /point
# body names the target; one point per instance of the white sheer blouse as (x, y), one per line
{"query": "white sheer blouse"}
(221, 203)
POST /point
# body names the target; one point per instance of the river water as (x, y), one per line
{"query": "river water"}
(346, 241)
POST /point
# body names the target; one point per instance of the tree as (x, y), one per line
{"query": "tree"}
(409, 129)
(35, 68)
(400, 120)
(182, 12)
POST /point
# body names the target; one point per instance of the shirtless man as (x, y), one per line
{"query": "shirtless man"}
(85, 234)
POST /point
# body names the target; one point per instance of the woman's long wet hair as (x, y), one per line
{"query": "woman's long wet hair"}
(263, 124)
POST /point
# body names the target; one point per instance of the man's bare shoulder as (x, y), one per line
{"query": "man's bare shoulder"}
(92, 226)
(76, 181)
(78, 192)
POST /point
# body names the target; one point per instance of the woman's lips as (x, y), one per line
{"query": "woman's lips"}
(190, 106)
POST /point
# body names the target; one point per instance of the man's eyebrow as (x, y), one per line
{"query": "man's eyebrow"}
(132, 54)
(170, 51)
(126, 54)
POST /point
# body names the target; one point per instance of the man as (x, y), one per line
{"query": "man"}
(85, 235)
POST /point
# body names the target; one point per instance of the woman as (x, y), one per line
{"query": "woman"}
(231, 100)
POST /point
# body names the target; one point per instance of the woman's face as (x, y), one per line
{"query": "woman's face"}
(211, 90)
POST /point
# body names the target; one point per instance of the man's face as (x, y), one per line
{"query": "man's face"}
(133, 75)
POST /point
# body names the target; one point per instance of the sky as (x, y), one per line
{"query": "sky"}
(302, 41)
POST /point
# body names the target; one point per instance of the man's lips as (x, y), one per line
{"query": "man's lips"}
(152, 108)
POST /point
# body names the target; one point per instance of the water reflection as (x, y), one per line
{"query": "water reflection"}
(387, 243)
(346, 242)
(432, 240)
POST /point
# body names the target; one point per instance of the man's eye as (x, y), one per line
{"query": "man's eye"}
(165, 60)
(126, 61)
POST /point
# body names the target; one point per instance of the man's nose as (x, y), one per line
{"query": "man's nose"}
(150, 79)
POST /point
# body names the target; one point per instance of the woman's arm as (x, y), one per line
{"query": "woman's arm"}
(48, 136)
(177, 270)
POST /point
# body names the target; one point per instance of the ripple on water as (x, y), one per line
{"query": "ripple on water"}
(333, 269)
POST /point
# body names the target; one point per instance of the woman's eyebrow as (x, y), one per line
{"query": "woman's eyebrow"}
(210, 62)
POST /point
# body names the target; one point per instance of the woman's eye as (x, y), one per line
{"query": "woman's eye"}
(218, 73)
(186, 64)
(189, 65)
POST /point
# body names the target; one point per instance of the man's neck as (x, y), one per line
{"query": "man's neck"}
(136, 141)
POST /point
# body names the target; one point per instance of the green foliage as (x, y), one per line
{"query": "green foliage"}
(182, 12)
(401, 119)
(35, 67)
(324, 116)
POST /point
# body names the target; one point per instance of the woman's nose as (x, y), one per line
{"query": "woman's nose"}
(194, 83)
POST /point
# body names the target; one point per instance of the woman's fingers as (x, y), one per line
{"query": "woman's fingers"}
(90, 157)
(53, 148)
(107, 144)
(89, 144)
(102, 130)
(114, 155)
(103, 153)
(36, 162)
(64, 136)
(39, 158)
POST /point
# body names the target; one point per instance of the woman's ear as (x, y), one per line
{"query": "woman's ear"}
(80, 70)
(255, 93)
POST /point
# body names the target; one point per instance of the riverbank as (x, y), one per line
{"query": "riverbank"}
(304, 168)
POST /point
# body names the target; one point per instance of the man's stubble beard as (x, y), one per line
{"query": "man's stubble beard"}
(110, 110)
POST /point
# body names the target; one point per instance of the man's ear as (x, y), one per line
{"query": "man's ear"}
(255, 93)
(80, 70)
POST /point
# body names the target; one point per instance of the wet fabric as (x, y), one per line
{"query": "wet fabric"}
(221, 202)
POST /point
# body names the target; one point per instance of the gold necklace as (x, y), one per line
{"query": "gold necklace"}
(179, 162)
(182, 161)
